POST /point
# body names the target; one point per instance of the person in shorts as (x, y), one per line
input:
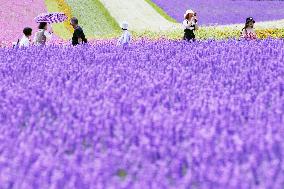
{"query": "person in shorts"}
(78, 35)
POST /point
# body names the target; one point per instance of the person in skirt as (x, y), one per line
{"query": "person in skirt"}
(248, 31)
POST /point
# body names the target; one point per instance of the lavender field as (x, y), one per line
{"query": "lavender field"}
(225, 11)
(160, 114)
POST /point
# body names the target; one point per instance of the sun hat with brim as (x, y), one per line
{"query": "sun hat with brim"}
(124, 25)
(250, 19)
(188, 12)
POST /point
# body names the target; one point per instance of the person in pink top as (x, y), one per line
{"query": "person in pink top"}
(248, 31)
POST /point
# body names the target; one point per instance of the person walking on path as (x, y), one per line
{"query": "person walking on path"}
(125, 38)
(42, 35)
(78, 35)
(190, 25)
(248, 31)
(26, 41)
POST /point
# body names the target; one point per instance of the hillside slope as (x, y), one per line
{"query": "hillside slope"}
(93, 17)
(138, 13)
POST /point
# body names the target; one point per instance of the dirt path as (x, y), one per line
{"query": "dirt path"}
(138, 13)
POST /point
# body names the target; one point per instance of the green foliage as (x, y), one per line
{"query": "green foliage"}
(99, 24)
(122, 173)
(94, 18)
(63, 30)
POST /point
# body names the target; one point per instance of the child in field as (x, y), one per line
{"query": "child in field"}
(248, 31)
(125, 38)
(190, 25)
(26, 41)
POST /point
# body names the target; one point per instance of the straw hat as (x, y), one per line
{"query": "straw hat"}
(188, 12)
(124, 25)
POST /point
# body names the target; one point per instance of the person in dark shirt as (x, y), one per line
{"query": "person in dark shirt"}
(78, 35)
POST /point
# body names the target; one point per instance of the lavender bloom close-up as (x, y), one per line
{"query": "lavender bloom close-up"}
(157, 114)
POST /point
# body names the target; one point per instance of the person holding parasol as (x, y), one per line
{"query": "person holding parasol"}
(42, 35)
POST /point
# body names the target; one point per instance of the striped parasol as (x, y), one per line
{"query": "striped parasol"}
(55, 17)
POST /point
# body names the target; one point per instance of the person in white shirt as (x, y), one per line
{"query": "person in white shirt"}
(190, 25)
(125, 38)
(42, 35)
(25, 41)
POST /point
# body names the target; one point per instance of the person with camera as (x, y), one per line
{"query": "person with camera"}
(190, 25)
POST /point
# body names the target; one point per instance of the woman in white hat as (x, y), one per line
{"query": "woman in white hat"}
(126, 36)
(190, 25)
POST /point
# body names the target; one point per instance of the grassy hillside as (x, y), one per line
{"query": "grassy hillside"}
(63, 30)
(94, 18)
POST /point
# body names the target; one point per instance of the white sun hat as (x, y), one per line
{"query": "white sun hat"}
(188, 12)
(124, 25)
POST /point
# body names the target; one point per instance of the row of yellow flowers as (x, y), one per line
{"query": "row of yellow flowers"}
(63, 30)
(234, 33)
(211, 33)
(64, 7)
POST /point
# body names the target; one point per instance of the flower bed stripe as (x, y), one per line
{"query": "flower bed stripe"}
(161, 11)
(63, 30)
(139, 14)
(94, 18)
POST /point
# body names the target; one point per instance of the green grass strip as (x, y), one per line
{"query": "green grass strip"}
(59, 29)
(161, 11)
(94, 18)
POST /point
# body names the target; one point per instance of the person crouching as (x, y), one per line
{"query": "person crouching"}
(190, 25)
